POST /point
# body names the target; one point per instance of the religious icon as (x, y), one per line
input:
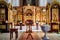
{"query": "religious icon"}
(55, 15)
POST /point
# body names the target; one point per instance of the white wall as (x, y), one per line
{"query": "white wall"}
(14, 2)
(8, 1)
(49, 1)
(52, 1)
(59, 0)
(42, 2)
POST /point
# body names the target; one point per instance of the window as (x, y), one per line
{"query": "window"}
(13, 2)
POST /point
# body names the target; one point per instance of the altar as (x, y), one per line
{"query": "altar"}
(26, 28)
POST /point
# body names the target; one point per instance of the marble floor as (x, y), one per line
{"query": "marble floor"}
(52, 36)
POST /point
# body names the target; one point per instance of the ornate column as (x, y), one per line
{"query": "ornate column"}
(22, 16)
(34, 16)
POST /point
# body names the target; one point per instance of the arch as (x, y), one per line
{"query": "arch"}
(28, 16)
(4, 5)
(53, 3)
(28, 11)
(54, 6)
(57, 5)
(4, 16)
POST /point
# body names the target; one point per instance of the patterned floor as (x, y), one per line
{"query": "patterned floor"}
(52, 36)
(29, 36)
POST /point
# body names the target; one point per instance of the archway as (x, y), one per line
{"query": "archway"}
(55, 12)
(3, 16)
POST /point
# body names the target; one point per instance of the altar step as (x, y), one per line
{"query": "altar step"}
(24, 28)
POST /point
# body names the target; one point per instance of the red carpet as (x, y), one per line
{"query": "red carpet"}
(33, 36)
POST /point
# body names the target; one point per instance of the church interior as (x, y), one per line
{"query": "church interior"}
(21, 13)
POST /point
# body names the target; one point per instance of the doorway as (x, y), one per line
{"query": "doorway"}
(55, 11)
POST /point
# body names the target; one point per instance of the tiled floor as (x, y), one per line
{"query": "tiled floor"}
(6, 36)
(52, 36)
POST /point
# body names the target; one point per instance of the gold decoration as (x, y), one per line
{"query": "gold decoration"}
(55, 26)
